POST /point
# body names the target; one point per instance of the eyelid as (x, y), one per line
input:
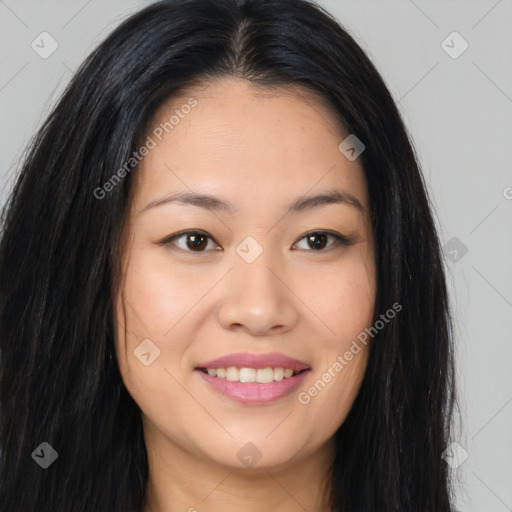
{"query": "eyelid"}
(167, 240)
(340, 239)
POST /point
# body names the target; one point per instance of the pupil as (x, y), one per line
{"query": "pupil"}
(197, 241)
(316, 244)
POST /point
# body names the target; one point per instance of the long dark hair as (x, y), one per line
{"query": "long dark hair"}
(60, 253)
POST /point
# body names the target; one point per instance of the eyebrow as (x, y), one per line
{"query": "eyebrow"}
(301, 204)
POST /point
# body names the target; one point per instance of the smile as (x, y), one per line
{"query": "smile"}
(253, 379)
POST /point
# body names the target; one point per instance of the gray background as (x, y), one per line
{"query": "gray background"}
(459, 113)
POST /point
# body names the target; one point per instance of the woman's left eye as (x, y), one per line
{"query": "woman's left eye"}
(197, 241)
(317, 240)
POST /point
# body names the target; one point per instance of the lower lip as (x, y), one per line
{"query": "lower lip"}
(253, 393)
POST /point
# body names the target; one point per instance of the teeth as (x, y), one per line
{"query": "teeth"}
(247, 375)
(232, 374)
(260, 375)
(264, 375)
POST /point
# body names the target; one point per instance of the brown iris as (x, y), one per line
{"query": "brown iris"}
(314, 241)
(197, 241)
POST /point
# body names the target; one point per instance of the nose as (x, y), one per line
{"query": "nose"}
(257, 298)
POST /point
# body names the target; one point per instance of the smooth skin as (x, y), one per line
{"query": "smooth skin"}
(260, 149)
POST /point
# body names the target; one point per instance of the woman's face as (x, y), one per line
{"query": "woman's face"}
(248, 284)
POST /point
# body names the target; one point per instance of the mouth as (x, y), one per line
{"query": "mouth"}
(253, 379)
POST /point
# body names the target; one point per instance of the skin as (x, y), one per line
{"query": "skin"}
(259, 149)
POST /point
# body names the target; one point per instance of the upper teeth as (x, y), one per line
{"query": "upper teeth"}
(260, 375)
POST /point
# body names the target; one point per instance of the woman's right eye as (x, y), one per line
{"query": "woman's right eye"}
(189, 241)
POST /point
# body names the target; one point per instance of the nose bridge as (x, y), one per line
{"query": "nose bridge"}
(253, 263)
(255, 296)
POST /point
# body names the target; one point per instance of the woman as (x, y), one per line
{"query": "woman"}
(221, 280)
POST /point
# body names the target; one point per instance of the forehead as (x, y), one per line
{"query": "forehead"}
(239, 140)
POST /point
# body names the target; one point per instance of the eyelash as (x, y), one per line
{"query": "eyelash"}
(340, 239)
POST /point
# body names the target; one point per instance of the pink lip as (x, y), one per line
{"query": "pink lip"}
(248, 360)
(253, 393)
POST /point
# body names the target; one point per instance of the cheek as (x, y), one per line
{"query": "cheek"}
(153, 300)
(346, 300)
(331, 396)
(150, 305)
(156, 294)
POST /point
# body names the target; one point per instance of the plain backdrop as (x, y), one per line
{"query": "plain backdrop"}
(458, 108)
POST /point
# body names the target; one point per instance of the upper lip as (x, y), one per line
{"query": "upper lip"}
(248, 360)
